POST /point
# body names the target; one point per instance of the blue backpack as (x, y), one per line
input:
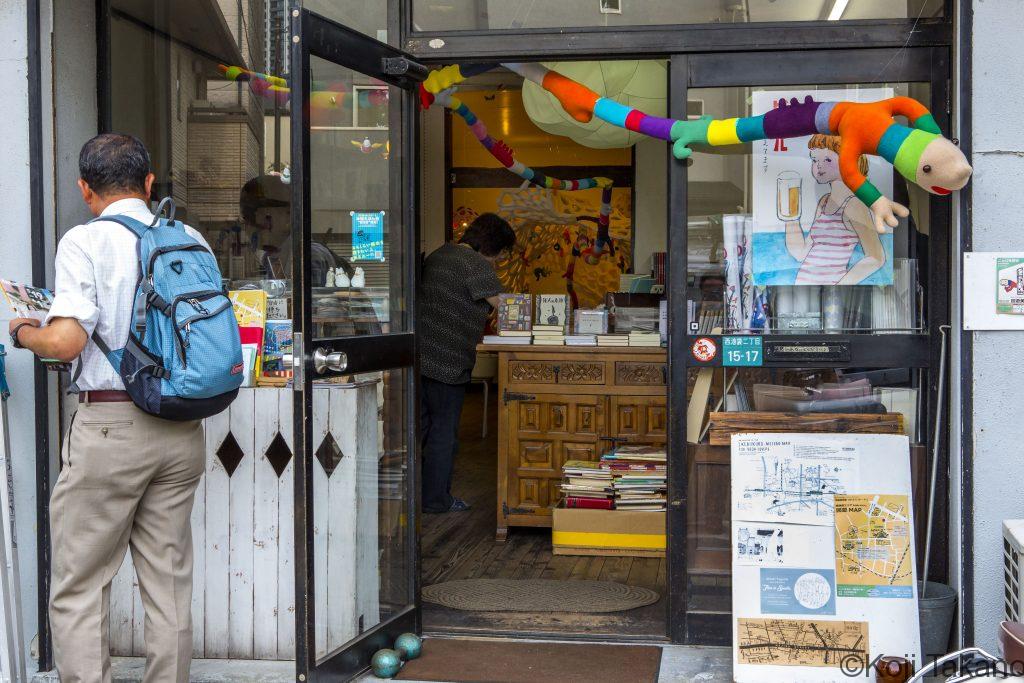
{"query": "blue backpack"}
(183, 356)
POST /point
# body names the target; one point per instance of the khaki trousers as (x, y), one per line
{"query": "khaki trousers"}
(128, 480)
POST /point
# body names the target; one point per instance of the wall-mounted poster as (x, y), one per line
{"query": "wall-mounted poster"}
(809, 228)
(367, 235)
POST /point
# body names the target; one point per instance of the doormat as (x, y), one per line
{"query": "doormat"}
(538, 595)
(503, 661)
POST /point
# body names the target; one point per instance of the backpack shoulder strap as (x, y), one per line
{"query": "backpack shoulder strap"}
(138, 228)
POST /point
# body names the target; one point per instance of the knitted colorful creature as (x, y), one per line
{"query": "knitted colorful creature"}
(919, 153)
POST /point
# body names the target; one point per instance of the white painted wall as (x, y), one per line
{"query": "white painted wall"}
(15, 263)
(998, 143)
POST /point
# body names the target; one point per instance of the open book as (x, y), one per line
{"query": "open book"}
(26, 301)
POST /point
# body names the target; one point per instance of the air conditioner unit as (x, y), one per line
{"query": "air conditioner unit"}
(1013, 552)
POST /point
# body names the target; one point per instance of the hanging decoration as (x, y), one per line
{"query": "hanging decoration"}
(918, 152)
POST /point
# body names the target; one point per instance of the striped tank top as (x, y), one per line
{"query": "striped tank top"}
(832, 245)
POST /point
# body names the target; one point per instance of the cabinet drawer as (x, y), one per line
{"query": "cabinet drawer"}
(556, 372)
(640, 373)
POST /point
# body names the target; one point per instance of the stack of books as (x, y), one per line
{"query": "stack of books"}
(638, 477)
(638, 338)
(587, 484)
(549, 335)
(580, 340)
(613, 340)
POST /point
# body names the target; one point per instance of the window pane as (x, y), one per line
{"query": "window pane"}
(497, 15)
(356, 252)
(777, 243)
(369, 17)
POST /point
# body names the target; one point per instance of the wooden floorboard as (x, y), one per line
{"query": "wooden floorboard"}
(461, 546)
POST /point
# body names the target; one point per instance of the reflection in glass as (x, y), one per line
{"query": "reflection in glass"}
(778, 244)
(512, 15)
(356, 251)
(792, 187)
(360, 492)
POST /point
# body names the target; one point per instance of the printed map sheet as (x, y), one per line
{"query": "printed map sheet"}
(797, 642)
(788, 481)
(873, 546)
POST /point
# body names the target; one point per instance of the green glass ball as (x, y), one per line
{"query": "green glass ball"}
(409, 646)
(386, 663)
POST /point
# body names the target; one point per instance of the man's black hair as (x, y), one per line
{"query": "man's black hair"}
(114, 163)
(489, 234)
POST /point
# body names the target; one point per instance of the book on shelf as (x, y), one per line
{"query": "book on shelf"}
(498, 339)
(552, 310)
(541, 341)
(580, 340)
(645, 450)
(515, 333)
(515, 312)
(548, 329)
(612, 340)
(589, 503)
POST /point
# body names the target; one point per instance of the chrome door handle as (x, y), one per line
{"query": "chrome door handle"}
(324, 360)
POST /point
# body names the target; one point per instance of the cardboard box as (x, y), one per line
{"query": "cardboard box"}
(608, 532)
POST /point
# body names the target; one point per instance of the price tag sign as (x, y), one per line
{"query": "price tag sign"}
(742, 351)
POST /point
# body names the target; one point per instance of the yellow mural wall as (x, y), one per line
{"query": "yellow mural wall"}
(546, 221)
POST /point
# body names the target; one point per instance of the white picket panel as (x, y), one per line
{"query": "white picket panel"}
(243, 533)
(265, 529)
(321, 416)
(341, 524)
(199, 561)
(368, 453)
(218, 546)
(286, 535)
(122, 607)
(240, 563)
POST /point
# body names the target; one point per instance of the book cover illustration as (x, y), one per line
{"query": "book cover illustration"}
(514, 312)
(26, 301)
(552, 309)
(277, 343)
(250, 307)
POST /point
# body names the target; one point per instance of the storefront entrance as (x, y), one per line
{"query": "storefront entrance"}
(322, 173)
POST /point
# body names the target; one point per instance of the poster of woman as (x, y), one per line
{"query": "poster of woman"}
(809, 228)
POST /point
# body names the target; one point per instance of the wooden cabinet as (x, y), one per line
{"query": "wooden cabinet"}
(568, 403)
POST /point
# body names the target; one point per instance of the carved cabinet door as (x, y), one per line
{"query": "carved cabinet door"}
(638, 419)
(544, 432)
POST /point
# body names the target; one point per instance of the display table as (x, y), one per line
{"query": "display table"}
(559, 403)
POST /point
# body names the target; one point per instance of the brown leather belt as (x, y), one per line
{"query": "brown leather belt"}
(104, 396)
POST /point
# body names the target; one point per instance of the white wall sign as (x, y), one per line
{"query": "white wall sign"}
(983, 289)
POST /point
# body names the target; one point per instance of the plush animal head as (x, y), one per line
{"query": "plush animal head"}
(933, 163)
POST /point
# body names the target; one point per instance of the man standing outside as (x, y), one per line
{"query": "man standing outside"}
(128, 479)
(458, 289)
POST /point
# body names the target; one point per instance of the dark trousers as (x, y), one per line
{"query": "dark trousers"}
(440, 410)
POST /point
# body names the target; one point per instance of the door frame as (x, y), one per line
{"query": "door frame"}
(316, 36)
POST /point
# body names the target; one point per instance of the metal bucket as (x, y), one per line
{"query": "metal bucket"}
(936, 611)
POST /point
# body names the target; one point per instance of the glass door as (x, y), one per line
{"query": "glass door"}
(354, 258)
(848, 328)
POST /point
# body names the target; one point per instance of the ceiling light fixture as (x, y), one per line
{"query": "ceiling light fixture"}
(837, 10)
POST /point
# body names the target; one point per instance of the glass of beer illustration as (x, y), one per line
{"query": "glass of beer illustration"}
(788, 190)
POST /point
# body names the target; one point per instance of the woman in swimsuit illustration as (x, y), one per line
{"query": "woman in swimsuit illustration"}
(841, 222)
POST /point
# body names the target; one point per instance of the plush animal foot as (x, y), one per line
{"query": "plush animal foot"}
(886, 212)
(686, 133)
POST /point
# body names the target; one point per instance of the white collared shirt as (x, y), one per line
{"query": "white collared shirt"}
(97, 271)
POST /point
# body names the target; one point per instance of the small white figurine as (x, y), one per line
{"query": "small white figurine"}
(359, 278)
